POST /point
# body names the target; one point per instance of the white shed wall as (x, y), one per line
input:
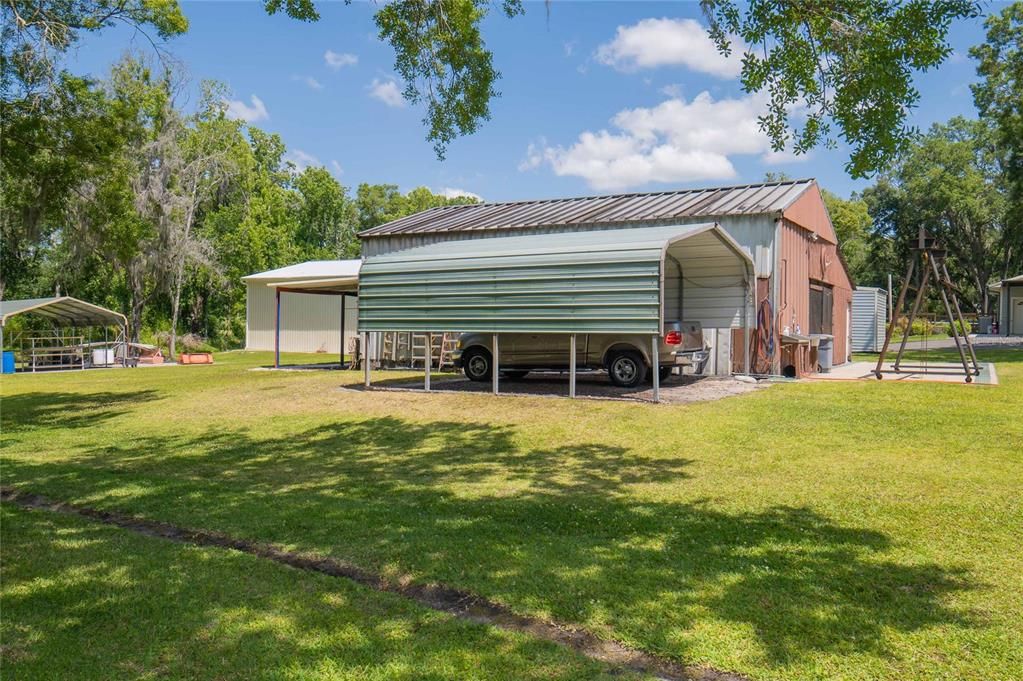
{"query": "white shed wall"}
(309, 323)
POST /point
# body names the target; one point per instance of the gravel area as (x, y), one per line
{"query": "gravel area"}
(675, 390)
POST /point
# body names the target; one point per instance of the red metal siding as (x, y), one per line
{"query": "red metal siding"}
(802, 259)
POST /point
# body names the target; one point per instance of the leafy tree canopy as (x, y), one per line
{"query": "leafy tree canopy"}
(842, 63)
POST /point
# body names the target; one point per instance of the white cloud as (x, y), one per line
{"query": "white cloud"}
(453, 193)
(339, 60)
(386, 91)
(301, 159)
(336, 167)
(569, 47)
(309, 81)
(675, 141)
(669, 42)
(250, 114)
(673, 90)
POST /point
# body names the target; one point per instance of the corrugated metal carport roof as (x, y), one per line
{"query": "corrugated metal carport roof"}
(597, 281)
(751, 199)
(64, 309)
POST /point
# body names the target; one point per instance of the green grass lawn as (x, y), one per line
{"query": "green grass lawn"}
(86, 601)
(852, 530)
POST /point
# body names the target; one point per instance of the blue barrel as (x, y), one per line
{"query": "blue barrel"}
(8, 362)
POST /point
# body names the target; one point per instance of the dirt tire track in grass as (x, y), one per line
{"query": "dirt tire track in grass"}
(461, 604)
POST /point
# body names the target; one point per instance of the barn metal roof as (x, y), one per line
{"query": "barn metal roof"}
(595, 281)
(63, 309)
(617, 209)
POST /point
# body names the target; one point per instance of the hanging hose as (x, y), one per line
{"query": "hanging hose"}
(762, 342)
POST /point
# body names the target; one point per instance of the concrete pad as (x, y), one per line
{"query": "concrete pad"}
(912, 371)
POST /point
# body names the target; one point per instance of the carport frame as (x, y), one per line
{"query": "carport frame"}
(684, 232)
(337, 286)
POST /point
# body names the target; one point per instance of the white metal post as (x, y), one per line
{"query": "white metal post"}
(571, 366)
(496, 368)
(429, 361)
(365, 356)
(656, 364)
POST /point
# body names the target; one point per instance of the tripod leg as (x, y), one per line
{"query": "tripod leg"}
(959, 315)
(895, 312)
(921, 293)
(955, 332)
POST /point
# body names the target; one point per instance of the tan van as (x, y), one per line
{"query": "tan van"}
(626, 358)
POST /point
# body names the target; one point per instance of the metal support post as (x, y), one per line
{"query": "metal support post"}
(277, 331)
(891, 321)
(656, 364)
(365, 357)
(571, 366)
(496, 370)
(428, 362)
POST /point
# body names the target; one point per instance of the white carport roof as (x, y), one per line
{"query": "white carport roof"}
(308, 271)
(62, 309)
(327, 277)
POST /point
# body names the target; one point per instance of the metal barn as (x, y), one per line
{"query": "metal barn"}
(869, 318)
(803, 289)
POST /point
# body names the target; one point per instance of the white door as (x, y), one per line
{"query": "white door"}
(1016, 314)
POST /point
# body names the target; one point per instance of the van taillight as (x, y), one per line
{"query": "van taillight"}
(673, 338)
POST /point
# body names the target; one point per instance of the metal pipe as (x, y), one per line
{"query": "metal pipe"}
(428, 362)
(920, 294)
(341, 359)
(571, 366)
(891, 322)
(365, 357)
(655, 362)
(962, 323)
(495, 370)
(955, 333)
(277, 331)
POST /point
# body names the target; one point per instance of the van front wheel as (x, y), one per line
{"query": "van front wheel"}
(477, 365)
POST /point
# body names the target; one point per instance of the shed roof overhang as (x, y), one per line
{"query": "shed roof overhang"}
(580, 282)
(64, 310)
(329, 287)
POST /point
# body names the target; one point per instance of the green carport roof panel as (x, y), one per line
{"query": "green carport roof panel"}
(579, 282)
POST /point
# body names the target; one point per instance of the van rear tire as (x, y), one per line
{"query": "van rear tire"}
(626, 368)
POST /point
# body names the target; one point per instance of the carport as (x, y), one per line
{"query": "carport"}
(602, 281)
(336, 286)
(70, 337)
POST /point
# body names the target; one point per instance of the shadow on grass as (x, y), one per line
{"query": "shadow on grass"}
(28, 411)
(550, 530)
(85, 601)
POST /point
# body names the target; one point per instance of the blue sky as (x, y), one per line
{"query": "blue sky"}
(597, 97)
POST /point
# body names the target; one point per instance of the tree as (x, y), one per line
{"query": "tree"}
(844, 62)
(950, 183)
(328, 219)
(852, 222)
(999, 98)
(380, 203)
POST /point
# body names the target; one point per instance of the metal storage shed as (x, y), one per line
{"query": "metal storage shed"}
(869, 318)
(604, 281)
(307, 323)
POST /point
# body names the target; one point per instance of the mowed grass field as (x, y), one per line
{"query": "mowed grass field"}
(842, 530)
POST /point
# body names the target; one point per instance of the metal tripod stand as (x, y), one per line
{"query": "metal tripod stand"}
(931, 258)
